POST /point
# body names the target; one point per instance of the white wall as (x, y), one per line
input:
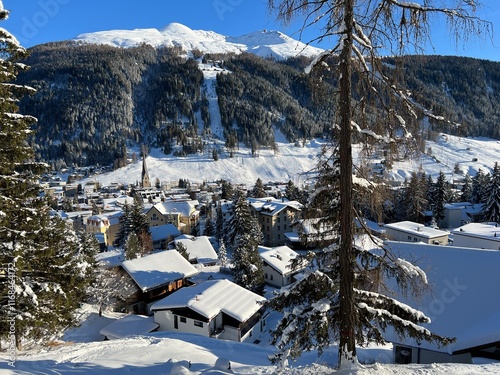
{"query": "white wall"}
(166, 321)
(273, 277)
(475, 242)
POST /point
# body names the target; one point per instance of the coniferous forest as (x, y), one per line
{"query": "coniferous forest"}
(94, 101)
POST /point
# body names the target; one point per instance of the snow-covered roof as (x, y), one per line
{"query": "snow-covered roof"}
(212, 297)
(272, 206)
(199, 248)
(130, 325)
(416, 229)
(279, 258)
(163, 231)
(158, 269)
(185, 208)
(462, 302)
(490, 231)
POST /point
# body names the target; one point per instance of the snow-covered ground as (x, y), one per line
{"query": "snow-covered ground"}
(82, 350)
(294, 162)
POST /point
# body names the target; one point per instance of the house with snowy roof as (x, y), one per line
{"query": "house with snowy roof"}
(459, 213)
(162, 235)
(461, 302)
(275, 217)
(199, 249)
(107, 224)
(157, 275)
(409, 231)
(218, 308)
(277, 265)
(183, 214)
(478, 235)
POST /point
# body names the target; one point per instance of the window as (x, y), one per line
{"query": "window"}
(272, 277)
(197, 323)
(183, 319)
(409, 238)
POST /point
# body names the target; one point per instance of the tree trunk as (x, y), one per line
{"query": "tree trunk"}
(347, 344)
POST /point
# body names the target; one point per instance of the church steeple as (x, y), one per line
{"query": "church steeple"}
(145, 182)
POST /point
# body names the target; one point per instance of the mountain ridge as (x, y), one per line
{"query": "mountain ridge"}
(264, 43)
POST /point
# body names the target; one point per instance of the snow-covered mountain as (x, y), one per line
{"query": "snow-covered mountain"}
(263, 43)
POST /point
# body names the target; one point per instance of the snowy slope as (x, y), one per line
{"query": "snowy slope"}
(296, 162)
(262, 43)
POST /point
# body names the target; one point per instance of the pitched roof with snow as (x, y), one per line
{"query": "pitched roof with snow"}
(183, 207)
(158, 269)
(212, 297)
(279, 258)
(199, 248)
(462, 302)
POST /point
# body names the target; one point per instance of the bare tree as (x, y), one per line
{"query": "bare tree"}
(363, 30)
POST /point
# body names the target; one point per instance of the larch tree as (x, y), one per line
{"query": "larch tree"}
(362, 31)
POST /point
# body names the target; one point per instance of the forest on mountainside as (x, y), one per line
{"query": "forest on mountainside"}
(94, 102)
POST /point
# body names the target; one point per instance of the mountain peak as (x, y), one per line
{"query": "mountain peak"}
(265, 43)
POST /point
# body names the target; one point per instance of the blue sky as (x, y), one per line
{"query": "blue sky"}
(40, 21)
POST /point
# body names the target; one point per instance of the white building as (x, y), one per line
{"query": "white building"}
(478, 235)
(217, 308)
(277, 267)
(408, 231)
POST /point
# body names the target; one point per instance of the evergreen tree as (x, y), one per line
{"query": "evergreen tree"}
(182, 249)
(441, 195)
(227, 190)
(492, 205)
(132, 247)
(292, 192)
(47, 268)
(466, 192)
(125, 225)
(415, 201)
(222, 254)
(243, 237)
(258, 190)
(210, 229)
(479, 184)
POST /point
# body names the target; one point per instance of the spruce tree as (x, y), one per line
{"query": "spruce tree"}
(492, 205)
(47, 268)
(441, 195)
(243, 237)
(132, 247)
(466, 191)
(258, 190)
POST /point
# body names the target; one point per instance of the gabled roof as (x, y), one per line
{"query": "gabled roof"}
(199, 248)
(158, 269)
(212, 297)
(272, 206)
(462, 302)
(183, 207)
(279, 258)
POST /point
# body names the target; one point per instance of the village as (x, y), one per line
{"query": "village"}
(165, 291)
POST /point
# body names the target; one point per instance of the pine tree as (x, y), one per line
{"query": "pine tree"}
(258, 190)
(466, 192)
(182, 249)
(222, 254)
(441, 195)
(479, 184)
(243, 237)
(47, 267)
(132, 247)
(209, 229)
(492, 205)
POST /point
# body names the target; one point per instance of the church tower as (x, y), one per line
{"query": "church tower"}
(145, 182)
